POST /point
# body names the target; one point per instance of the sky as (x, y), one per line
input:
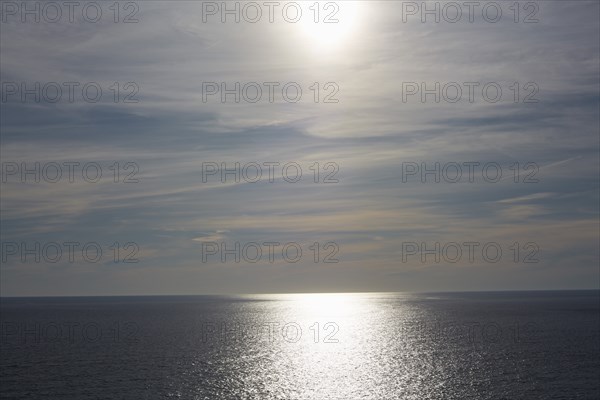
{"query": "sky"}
(499, 104)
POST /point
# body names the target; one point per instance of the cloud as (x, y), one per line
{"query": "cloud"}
(368, 135)
(210, 237)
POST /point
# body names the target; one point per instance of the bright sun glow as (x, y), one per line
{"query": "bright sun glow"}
(329, 25)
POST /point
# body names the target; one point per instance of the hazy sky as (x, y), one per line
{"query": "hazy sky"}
(369, 207)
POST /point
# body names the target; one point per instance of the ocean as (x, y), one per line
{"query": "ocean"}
(484, 345)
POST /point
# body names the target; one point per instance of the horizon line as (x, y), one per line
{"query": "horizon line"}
(307, 293)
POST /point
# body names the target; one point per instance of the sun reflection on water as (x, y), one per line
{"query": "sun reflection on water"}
(343, 351)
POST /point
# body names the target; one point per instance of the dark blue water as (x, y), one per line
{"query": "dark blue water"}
(510, 345)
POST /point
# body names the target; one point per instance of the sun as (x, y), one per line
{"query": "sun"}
(328, 25)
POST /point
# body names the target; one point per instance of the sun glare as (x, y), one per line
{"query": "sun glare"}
(329, 25)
